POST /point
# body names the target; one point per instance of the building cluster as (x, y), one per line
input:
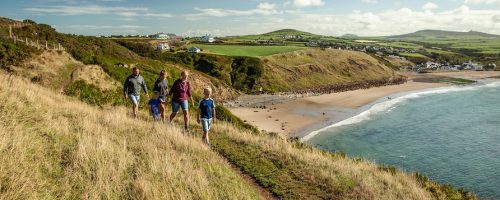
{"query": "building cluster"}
(435, 66)
(379, 50)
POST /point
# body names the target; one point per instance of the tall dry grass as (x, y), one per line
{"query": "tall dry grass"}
(348, 178)
(54, 147)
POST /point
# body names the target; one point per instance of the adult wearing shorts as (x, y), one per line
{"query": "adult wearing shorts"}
(161, 86)
(132, 89)
(180, 92)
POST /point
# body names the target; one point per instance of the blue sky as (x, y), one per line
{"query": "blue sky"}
(237, 17)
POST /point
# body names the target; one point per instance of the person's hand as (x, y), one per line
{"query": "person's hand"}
(125, 96)
(214, 120)
(198, 120)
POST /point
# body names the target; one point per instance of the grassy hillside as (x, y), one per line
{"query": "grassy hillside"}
(75, 151)
(70, 150)
(240, 50)
(116, 60)
(471, 42)
(275, 35)
(316, 68)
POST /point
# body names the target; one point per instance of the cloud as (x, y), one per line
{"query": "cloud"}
(388, 22)
(261, 9)
(481, 1)
(96, 10)
(430, 6)
(369, 1)
(96, 27)
(308, 3)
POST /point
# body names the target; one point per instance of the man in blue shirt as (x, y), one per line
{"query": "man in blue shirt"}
(206, 113)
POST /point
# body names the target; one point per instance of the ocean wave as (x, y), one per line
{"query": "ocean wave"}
(390, 104)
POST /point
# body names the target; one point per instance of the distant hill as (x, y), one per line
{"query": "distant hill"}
(289, 32)
(277, 35)
(349, 36)
(439, 34)
(469, 43)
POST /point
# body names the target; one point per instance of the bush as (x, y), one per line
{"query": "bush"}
(245, 72)
(93, 95)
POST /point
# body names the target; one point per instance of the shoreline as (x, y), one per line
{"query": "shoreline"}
(299, 117)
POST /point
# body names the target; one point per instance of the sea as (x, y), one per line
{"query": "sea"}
(451, 135)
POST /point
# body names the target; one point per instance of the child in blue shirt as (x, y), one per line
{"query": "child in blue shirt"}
(154, 106)
(206, 113)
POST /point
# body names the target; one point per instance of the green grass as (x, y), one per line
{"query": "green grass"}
(404, 45)
(240, 50)
(412, 55)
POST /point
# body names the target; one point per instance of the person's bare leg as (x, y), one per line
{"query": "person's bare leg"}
(162, 112)
(205, 138)
(136, 110)
(172, 116)
(186, 118)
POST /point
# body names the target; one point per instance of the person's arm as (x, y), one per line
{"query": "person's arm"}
(198, 113)
(213, 111)
(144, 87)
(188, 92)
(125, 89)
(171, 90)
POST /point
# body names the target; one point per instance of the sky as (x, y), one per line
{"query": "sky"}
(242, 17)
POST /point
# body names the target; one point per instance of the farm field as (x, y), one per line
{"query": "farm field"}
(412, 55)
(240, 50)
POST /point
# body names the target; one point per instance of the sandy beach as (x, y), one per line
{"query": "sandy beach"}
(296, 117)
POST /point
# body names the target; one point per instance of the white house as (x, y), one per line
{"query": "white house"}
(194, 50)
(207, 39)
(162, 36)
(163, 46)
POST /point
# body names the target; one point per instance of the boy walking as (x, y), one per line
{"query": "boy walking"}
(206, 113)
(155, 106)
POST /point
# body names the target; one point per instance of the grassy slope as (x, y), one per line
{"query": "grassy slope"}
(107, 54)
(279, 169)
(239, 50)
(275, 35)
(314, 68)
(72, 150)
(468, 41)
(294, 171)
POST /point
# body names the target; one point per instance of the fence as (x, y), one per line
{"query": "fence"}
(38, 44)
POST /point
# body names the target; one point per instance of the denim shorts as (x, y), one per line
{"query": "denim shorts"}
(134, 98)
(205, 124)
(163, 98)
(177, 104)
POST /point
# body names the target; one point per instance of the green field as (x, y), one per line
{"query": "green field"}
(412, 55)
(240, 50)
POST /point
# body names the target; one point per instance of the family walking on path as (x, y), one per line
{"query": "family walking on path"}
(180, 93)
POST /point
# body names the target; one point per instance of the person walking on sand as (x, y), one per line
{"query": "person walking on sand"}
(206, 113)
(180, 92)
(161, 86)
(132, 89)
